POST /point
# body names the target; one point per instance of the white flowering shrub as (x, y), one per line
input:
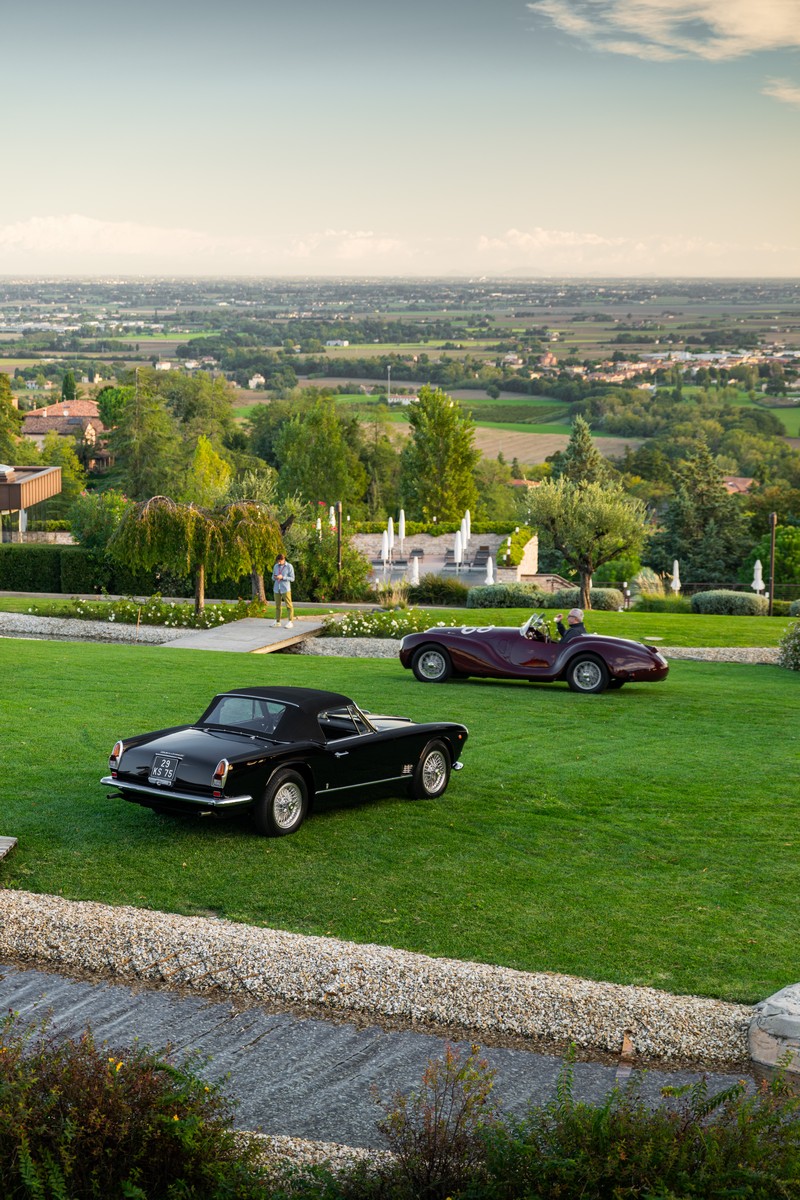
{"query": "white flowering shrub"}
(155, 611)
(381, 624)
(789, 648)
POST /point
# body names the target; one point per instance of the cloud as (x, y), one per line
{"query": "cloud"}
(715, 30)
(783, 90)
(76, 244)
(569, 252)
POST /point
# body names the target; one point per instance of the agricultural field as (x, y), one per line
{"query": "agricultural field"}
(585, 834)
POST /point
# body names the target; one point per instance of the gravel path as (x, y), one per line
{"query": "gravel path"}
(271, 965)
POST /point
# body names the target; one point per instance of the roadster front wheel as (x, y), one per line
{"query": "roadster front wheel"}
(431, 664)
(432, 772)
(587, 674)
(283, 807)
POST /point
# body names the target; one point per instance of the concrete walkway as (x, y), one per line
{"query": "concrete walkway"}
(292, 1075)
(252, 635)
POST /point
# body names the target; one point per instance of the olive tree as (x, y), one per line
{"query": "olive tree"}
(589, 524)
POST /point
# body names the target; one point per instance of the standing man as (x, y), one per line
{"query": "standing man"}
(575, 623)
(282, 580)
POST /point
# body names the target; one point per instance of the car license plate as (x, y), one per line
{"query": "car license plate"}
(164, 768)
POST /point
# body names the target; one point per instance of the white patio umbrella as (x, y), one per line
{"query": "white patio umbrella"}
(413, 574)
(463, 531)
(332, 517)
(758, 582)
(384, 547)
(676, 578)
(390, 534)
(458, 550)
(468, 519)
(401, 527)
(489, 570)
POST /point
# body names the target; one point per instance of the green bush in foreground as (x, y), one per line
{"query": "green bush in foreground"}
(789, 648)
(439, 589)
(448, 1141)
(78, 1121)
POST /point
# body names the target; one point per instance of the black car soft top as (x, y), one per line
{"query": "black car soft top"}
(302, 707)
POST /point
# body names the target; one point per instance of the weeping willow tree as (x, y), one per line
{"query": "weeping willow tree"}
(195, 541)
(252, 539)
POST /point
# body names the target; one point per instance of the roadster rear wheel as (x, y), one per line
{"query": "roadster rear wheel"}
(431, 664)
(587, 674)
(283, 807)
(432, 772)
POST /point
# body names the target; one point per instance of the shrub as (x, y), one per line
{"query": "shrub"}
(94, 517)
(738, 604)
(78, 1121)
(154, 611)
(48, 526)
(699, 1146)
(601, 599)
(30, 568)
(436, 1133)
(381, 624)
(648, 602)
(439, 589)
(794, 608)
(648, 583)
(84, 571)
(393, 595)
(508, 595)
(781, 608)
(789, 648)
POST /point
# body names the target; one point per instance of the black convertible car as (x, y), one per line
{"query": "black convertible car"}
(274, 750)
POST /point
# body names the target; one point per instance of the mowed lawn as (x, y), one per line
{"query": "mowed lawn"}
(649, 835)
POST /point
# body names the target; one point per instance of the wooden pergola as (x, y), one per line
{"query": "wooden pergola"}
(22, 487)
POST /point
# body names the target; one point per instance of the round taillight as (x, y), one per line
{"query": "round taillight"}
(116, 755)
(221, 773)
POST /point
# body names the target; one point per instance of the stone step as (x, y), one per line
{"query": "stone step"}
(7, 844)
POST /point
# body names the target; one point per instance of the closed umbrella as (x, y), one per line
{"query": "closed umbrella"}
(468, 519)
(489, 570)
(758, 582)
(413, 575)
(676, 578)
(332, 517)
(390, 534)
(464, 534)
(458, 550)
(401, 528)
(384, 547)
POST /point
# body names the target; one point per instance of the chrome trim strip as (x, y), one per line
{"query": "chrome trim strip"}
(187, 797)
(370, 783)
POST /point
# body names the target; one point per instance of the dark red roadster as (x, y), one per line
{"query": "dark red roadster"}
(588, 662)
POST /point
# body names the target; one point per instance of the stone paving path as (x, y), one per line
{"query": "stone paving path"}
(293, 1076)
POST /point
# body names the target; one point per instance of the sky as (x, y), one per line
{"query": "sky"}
(417, 138)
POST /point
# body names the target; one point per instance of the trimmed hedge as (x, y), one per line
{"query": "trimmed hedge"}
(30, 568)
(734, 604)
(73, 570)
(794, 608)
(508, 595)
(602, 599)
(662, 604)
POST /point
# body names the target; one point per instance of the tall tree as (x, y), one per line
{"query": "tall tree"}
(589, 524)
(703, 526)
(145, 444)
(580, 461)
(10, 423)
(439, 461)
(317, 453)
(209, 476)
(69, 389)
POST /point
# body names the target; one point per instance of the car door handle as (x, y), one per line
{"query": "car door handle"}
(340, 753)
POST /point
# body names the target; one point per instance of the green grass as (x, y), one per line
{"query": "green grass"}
(643, 836)
(790, 419)
(521, 427)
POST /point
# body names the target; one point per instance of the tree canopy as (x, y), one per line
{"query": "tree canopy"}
(589, 524)
(439, 462)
